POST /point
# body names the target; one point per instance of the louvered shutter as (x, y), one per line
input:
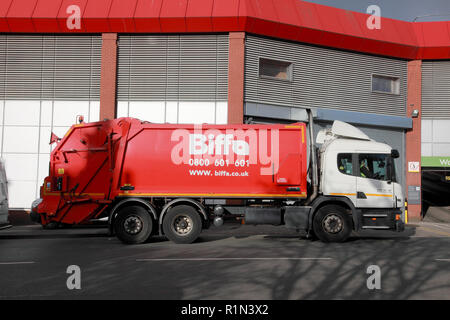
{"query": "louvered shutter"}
(173, 68)
(436, 89)
(323, 78)
(48, 67)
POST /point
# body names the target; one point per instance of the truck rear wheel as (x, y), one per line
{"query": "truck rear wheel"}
(182, 224)
(332, 224)
(133, 225)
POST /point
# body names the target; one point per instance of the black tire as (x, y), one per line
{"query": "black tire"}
(332, 224)
(133, 225)
(182, 224)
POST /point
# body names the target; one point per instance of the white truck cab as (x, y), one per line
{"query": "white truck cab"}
(354, 167)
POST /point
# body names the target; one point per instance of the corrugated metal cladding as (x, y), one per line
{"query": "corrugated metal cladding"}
(323, 78)
(173, 68)
(49, 67)
(436, 89)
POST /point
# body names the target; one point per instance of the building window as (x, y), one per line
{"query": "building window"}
(275, 69)
(385, 84)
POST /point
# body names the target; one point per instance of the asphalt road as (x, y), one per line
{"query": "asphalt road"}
(234, 262)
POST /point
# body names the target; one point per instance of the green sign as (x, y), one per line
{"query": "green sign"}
(436, 162)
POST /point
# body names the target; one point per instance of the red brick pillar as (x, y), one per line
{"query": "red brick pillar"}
(413, 136)
(108, 76)
(236, 77)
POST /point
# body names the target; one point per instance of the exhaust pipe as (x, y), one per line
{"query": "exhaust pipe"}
(315, 177)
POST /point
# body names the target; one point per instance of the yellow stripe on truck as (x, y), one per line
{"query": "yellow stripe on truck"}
(367, 194)
(297, 195)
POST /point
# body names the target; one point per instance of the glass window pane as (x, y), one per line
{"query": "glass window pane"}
(345, 164)
(385, 84)
(275, 69)
(373, 166)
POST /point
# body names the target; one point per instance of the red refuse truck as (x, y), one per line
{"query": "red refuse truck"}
(173, 180)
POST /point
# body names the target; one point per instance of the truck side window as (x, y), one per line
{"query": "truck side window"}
(344, 164)
(373, 166)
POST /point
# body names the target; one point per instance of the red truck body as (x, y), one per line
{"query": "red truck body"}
(95, 164)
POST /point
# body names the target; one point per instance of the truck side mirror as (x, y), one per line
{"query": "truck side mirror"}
(395, 154)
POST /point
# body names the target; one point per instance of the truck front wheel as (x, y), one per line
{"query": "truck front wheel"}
(133, 225)
(332, 224)
(182, 224)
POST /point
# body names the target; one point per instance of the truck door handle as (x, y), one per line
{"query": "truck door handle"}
(293, 189)
(361, 195)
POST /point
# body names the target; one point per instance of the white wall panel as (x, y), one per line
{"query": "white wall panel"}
(122, 109)
(22, 113)
(2, 103)
(441, 149)
(427, 149)
(43, 162)
(20, 139)
(196, 112)
(65, 112)
(441, 131)
(46, 113)
(21, 167)
(171, 112)
(44, 140)
(20, 193)
(94, 111)
(435, 137)
(427, 130)
(153, 111)
(221, 112)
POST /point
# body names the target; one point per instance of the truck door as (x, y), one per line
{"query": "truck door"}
(373, 186)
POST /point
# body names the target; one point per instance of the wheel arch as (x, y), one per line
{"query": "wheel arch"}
(131, 201)
(200, 207)
(336, 200)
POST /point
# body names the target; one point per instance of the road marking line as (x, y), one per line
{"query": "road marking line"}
(12, 263)
(436, 232)
(448, 260)
(226, 259)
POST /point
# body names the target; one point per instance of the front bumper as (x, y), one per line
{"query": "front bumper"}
(382, 219)
(399, 226)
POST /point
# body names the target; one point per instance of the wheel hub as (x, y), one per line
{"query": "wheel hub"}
(182, 224)
(133, 225)
(332, 223)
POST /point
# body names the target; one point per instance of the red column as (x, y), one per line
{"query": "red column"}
(108, 76)
(413, 136)
(236, 57)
